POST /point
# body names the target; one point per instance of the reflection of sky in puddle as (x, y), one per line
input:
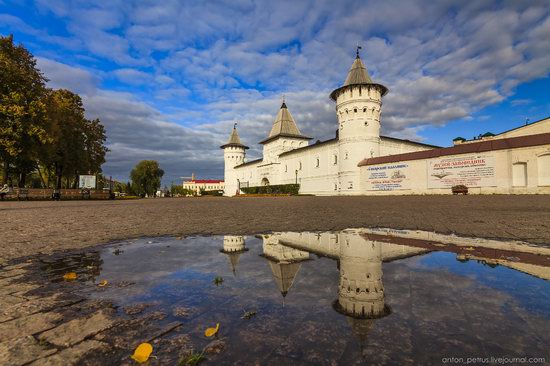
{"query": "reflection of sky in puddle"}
(440, 307)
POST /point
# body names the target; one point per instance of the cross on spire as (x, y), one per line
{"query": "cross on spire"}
(357, 51)
(235, 126)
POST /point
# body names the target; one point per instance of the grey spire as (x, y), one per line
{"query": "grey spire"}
(234, 139)
(358, 75)
(284, 126)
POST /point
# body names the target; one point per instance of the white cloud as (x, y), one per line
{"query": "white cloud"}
(206, 65)
(68, 77)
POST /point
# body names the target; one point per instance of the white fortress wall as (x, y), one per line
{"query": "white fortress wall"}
(511, 171)
(317, 170)
(390, 146)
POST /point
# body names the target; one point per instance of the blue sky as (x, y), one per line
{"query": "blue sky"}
(168, 79)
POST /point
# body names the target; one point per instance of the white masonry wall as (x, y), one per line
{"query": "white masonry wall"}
(516, 171)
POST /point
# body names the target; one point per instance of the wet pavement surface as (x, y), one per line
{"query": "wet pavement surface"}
(30, 228)
(366, 296)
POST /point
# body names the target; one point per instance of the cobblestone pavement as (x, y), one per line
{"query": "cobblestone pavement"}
(49, 322)
(42, 227)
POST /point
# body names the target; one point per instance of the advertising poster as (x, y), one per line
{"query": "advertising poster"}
(471, 171)
(87, 181)
(388, 177)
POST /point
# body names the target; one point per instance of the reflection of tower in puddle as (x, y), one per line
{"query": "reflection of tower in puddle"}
(233, 247)
(284, 262)
(361, 291)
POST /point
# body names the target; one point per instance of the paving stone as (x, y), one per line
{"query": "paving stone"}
(28, 325)
(10, 280)
(23, 350)
(7, 273)
(17, 288)
(77, 330)
(34, 306)
(7, 301)
(71, 356)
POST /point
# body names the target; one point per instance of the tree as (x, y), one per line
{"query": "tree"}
(77, 144)
(22, 110)
(146, 177)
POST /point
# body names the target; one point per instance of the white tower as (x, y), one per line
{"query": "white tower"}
(358, 108)
(361, 292)
(233, 247)
(234, 153)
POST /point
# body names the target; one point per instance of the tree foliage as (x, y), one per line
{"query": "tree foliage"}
(22, 110)
(77, 144)
(146, 177)
(43, 133)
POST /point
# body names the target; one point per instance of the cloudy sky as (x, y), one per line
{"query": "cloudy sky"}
(169, 78)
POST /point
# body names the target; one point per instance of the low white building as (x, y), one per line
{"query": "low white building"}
(196, 185)
(360, 161)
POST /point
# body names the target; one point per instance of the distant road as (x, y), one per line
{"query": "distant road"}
(31, 227)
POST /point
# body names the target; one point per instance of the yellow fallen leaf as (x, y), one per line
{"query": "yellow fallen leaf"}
(103, 283)
(70, 276)
(209, 332)
(142, 353)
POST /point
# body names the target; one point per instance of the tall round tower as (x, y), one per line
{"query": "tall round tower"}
(358, 108)
(361, 292)
(234, 153)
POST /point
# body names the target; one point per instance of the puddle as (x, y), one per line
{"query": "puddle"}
(353, 297)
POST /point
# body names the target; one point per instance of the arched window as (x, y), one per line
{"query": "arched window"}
(519, 174)
(335, 159)
(354, 110)
(544, 170)
(286, 168)
(299, 165)
(317, 162)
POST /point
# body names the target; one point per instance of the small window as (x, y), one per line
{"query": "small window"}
(335, 159)
(346, 156)
(544, 170)
(286, 168)
(354, 110)
(300, 165)
(350, 185)
(359, 91)
(366, 123)
(317, 162)
(335, 186)
(519, 174)
(364, 110)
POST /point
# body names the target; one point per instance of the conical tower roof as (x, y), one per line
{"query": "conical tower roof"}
(284, 126)
(234, 139)
(284, 274)
(357, 75)
(234, 261)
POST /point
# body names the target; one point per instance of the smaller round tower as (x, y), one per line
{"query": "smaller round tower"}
(358, 109)
(233, 247)
(234, 153)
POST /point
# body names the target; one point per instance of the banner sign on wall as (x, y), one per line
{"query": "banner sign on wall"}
(86, 181)
(388, 177)
(471, 171)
